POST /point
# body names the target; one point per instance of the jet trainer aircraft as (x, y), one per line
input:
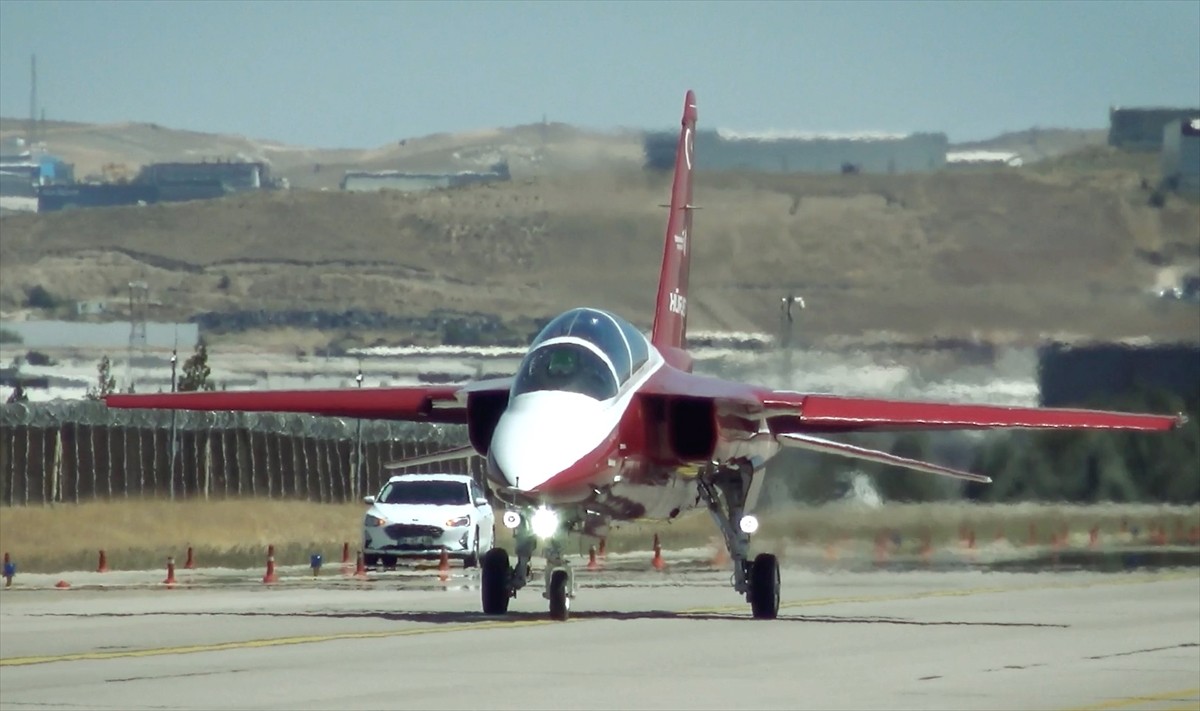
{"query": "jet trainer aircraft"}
(602, 424)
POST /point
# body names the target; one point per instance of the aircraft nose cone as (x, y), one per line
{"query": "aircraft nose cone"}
(543, 434)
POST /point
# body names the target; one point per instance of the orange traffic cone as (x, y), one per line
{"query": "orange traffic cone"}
(592, 564)
(444, 566)
(360, 567)
(1094, 537)
(926, 547)
(271, 576)
(190, 563)
(170, 572)
(603, 552)
(102, 566)
(346, 558)
(62, 585)
(658, 559)
(9, 570)
(720, 557)
(881, 552)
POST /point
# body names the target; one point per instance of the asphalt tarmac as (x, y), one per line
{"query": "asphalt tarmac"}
(637, 638)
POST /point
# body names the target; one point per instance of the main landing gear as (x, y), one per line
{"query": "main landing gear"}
(500, 581)
(729, 492)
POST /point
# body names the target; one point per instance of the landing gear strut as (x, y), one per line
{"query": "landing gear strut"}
(729, 492)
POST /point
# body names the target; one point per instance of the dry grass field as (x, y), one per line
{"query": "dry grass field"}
(138, 535)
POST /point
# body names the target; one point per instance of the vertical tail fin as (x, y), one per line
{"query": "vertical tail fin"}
(670, 310)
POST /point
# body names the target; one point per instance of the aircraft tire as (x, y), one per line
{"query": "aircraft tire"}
(560, 602)
(764, 587)
(494, 584)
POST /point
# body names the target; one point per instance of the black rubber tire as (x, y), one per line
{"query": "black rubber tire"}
(388, 561)
(472, 558)
(370, 560)
(494, 584)
(560, 602)
(764, 587)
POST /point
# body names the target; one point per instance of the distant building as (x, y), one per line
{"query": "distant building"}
(22, 172)
(370, 181)
(1142, 129)
(161, 182)
(804, 152)
(1181, 156)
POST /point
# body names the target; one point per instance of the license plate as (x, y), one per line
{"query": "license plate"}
(426, 541)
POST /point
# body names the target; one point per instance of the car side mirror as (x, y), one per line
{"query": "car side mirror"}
(481, 501)
(368, 500)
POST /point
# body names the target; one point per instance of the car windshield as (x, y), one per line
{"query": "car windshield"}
(567, 367)
(437, 493)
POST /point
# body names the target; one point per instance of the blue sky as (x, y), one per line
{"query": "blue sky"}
(362, 74)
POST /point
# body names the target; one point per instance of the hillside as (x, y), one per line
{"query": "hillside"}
(1011, 255)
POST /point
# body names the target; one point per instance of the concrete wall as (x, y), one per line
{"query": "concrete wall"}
(1072, 376)
(1181, 156)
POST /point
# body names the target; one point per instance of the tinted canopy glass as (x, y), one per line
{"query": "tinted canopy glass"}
(616, 338)
(566, 367)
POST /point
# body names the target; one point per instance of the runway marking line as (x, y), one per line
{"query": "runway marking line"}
(1192, 695)
(964, 592)
(505, 624)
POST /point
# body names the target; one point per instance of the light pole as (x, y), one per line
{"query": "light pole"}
(785, 326)
(171, 473)
(359, 483)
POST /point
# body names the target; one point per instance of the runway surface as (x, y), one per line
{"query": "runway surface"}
(638, 638)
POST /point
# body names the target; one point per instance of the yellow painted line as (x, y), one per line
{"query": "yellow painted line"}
(1177, 695)
(260, 643)
(964, 592)
(505, 624)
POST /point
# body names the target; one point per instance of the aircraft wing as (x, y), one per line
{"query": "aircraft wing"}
(795, 418)
(440, 403)
(799, 412)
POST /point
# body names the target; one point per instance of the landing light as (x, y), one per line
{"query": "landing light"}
(511, 519)
(544, 522)
(748, 524)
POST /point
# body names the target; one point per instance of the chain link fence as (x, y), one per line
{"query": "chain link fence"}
(77, 451)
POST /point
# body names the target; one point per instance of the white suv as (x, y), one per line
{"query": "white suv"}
(417, 516)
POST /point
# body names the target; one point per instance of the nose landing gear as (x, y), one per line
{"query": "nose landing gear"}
(500, 581)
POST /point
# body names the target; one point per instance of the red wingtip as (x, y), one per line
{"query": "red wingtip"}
(689, 107)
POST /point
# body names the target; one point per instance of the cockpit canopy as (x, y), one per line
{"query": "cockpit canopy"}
(618, 350)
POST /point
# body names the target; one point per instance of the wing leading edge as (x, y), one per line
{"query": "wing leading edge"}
(440, 404)
(797, 412)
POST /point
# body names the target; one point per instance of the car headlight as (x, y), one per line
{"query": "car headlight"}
(459, 522)
(374, 521)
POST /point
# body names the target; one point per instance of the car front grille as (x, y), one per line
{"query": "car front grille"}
(411, 530)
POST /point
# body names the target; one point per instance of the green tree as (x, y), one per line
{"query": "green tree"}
(196, 371)
(106, 383)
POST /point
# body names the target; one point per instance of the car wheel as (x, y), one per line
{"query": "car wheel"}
(472, 559)
(370, 560)
(389, 562)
